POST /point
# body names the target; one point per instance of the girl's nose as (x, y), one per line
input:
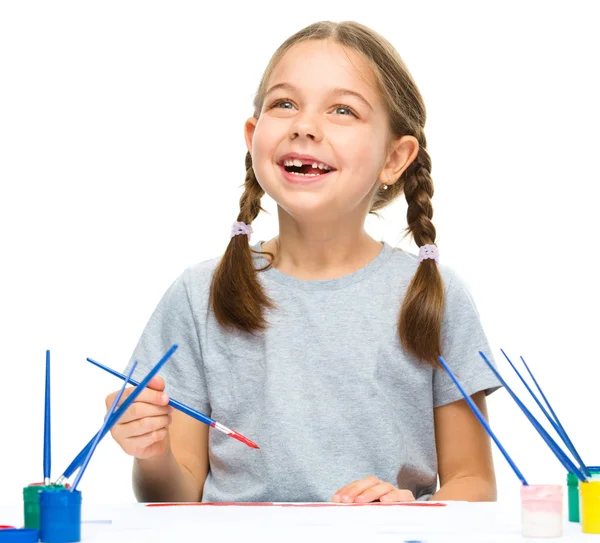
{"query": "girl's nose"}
(305, 126)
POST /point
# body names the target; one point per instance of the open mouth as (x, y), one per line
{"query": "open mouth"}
(308, 170)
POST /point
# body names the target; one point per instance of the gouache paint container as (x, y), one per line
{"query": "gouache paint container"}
(541, 510)
(60, 515)
(573, 492)
(590, 506)
(31, 504)
(9, 534)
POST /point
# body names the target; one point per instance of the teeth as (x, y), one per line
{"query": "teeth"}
(298, 163)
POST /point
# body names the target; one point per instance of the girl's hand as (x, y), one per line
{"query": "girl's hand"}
(143, 431)
(371, 489)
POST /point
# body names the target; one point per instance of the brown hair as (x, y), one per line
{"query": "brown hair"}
(237, 297)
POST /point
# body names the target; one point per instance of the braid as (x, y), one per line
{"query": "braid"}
(250, 200)
(420, 319)
(418, 191)
(236, 294)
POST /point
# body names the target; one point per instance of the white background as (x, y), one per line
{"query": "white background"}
(122, 156)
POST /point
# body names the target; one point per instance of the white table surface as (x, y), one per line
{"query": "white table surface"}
(464, 522)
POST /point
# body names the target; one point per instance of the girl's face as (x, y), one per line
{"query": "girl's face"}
(322, 102)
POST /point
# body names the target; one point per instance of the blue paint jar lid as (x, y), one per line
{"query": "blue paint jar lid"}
(60, 497)
(20, 535)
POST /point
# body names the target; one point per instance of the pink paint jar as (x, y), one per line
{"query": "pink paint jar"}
(541, 510)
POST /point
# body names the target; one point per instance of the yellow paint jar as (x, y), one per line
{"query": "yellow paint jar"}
(590, 506)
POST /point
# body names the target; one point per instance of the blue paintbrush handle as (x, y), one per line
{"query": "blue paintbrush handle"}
(47, 418)
(115, 416)
(562, 457)
(482, 420)
(99, 434)
(174, 403)
(555, 424)
(568, 442)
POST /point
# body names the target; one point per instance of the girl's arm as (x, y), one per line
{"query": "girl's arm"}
(464, 453)
(179, 474)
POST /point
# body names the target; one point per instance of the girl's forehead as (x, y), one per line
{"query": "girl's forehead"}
(326, 62)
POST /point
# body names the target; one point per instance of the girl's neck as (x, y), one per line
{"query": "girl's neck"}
(324, 254)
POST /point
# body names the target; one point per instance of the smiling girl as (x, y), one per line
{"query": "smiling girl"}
(321, 344)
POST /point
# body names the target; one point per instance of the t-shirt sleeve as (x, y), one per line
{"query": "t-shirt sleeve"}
(173, 322)
(462, 339)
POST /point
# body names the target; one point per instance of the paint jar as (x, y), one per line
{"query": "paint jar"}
(60, 515)
(8, 534)
(31, 504)
(573, 492)
(590, 506)
(541, 510)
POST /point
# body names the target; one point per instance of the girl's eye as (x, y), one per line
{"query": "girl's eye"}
(349, 110)
(279, 102)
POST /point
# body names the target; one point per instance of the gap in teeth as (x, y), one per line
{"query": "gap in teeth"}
(299, 164)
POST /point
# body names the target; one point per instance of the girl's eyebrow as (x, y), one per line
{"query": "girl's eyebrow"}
(337, 91)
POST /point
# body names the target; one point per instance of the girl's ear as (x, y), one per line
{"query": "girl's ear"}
(403, 152)
(249, 128)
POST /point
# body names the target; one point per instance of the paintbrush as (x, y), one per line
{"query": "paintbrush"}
(558, 452)
(558, 427)
(482, 420)
(47, 440)
(185, 409)
(105, 428)
(76, 463)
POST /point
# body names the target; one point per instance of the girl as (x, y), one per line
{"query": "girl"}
(321, 344)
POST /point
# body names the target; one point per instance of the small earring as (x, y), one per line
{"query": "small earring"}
(384, 186)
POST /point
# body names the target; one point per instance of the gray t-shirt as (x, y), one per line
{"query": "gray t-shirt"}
(327, 392)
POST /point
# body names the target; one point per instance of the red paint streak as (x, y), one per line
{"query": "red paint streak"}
(215, 504)
(243, 439)
(239, 437)
(270, 504)
(7, 527)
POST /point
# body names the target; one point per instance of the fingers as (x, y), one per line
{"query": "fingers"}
(148, 396)
(373, 493)
(147, 445)
(140, 410)
(347, 493)
(371, 489)
(142, 431)
(141, 437)
(145, 425)
(157, 383)
(398, 495)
